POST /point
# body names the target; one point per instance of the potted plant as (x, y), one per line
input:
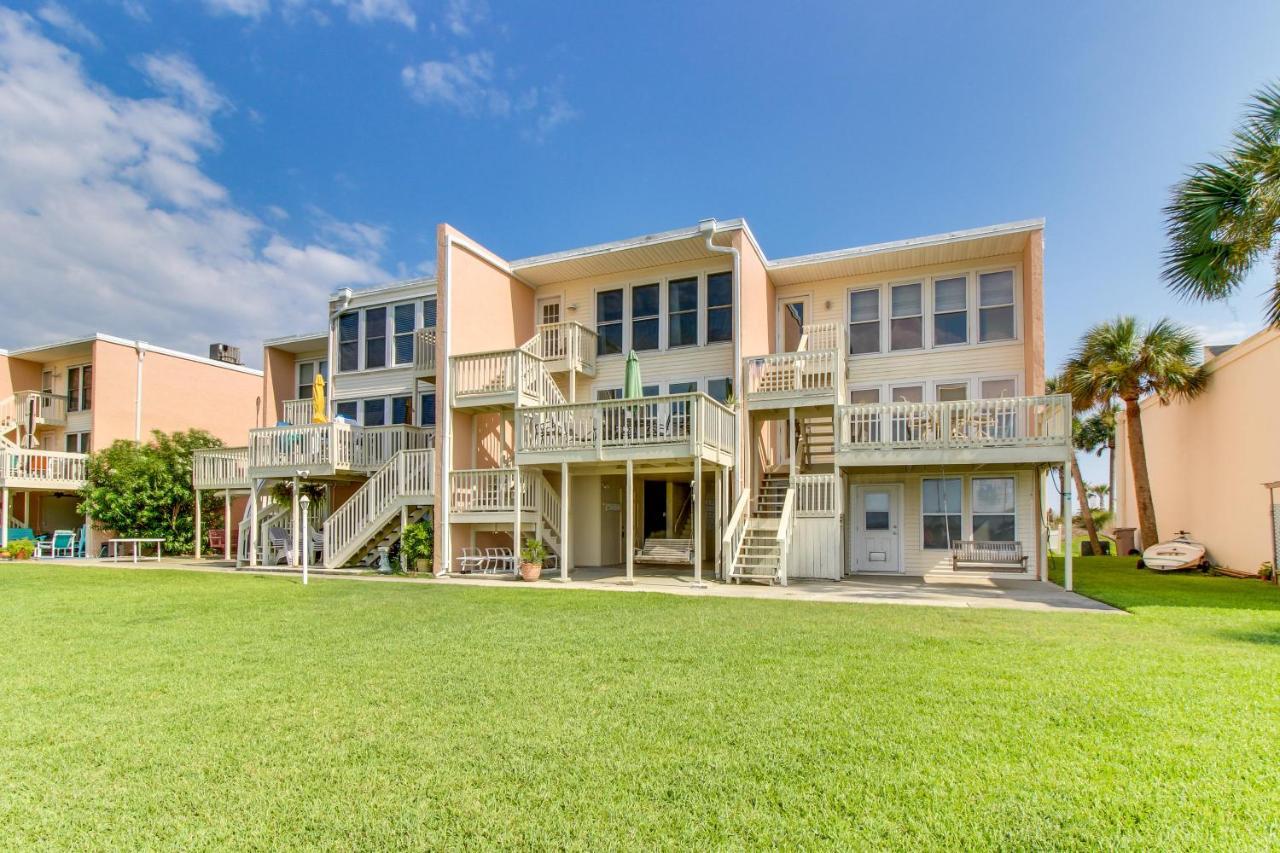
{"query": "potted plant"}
(1266, 570)
(417, 544)
(21, 549)
(531, 557)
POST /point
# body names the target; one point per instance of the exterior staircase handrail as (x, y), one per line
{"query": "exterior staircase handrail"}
(735, 529)
(786, 526)
(408, 473)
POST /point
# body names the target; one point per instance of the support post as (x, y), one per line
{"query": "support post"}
(253, 528)
(226, 526)
(404, 525)
(4, 517)
(565, 539)
(87, 536)
(198, 520)
(296, 524)
(697, 522)
(515, 526)
(629, 537)
(26, 510)
(1067, 544)
(791, 441)
(719, 515)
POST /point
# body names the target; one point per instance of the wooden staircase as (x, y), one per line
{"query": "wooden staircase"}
(771, 494)
(371, 518)
(817, 444)
(759, 555)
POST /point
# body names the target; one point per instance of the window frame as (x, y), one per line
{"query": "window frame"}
(934, 280)
(1015, 304)
(396, 336)
(366, 339)
(973, 514)
(879, 321)
(621, 322)
(83, 401)
(707, 308)
(695, 311)
(632, 319)
(728, 385)
(313, 363)
(81, 439)
(889, 318)
(963, 481)
(356, 341)
(364, 406)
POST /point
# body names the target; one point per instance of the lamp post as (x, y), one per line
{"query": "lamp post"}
(305, 503)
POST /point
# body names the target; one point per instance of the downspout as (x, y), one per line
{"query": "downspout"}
(708, 228)
(141, 347)
(444, 426)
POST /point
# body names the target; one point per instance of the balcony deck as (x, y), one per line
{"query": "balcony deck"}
(666, 427)
(42, 470)
(1005, 430)
(565, 347)
(221, 468)
(335, 450)
(424, 353)
(501, 379)
(813, 375)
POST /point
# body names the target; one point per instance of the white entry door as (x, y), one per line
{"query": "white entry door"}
(876, 535)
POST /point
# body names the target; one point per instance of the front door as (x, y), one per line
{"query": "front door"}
(548, 314)
(793, 314)
(876, 544)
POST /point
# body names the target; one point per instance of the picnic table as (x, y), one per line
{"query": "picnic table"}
(113, 545)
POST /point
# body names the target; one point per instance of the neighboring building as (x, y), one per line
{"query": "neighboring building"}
(1208, 457)
(60, 401)
(863, 410)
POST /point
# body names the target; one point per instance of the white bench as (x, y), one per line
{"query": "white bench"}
(988, 556)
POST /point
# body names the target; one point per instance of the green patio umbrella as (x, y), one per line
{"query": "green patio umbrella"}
(631, 387)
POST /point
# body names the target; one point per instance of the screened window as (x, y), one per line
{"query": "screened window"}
(428, 314)
(608, 393)
(80, 388)
(940, 511)
(993, 516)
(864, 321)
(608, 322)
(427, 410)
(307, 377)
(77, 442)
(644, 317)
(375, 412)
(950, 311)
(404, 322)
(349, 341)
(951, 392)
(682, 312)
(906, 316)
(995, 306)
(719, 307)
(375, 338)
(682, 387)
(400, 410)
(347, 411)
(720, 389)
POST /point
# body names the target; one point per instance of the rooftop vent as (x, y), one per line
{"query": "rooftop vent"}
(225, 353)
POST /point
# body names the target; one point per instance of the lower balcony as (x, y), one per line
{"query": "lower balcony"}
(42, 470)
(1009, 429)
(221, 468)
(676, 425)
(489, 494)
(335, 449)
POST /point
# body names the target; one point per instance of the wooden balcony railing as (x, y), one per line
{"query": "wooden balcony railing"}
(46, 406)
(491, 490)
(42, 468)
(332, 447)
(221, 468)
(817, 495)
(298, 412)
(566, 346)
(1004, 422)
(504, 376)
(424, 352)
(694, 421)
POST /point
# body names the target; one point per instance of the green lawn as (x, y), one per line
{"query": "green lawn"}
(171, 709)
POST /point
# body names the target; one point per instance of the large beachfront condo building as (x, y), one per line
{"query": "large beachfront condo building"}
(878, 409)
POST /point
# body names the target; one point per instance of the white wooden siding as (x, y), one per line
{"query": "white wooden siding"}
(816, 549)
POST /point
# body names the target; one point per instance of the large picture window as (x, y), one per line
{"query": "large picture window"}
(993, 509)
(375, 338)
(906, 316)
(682, 312)
(609, 322)
(80, 388)
(349, 341)
(941, 512)
(403, 344)
(719, 307)
(644, 317)
(864, 321)
(995, 306)
(950, 311)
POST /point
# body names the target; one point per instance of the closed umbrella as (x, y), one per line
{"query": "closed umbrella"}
(631, 387)
(317, 400)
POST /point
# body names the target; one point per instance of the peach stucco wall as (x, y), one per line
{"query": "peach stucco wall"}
(279, 373)
(1209, 456)
(18, 374)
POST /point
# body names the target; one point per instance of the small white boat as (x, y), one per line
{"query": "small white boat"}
(1178, 554)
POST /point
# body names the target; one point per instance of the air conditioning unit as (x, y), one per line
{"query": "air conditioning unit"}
(224, 352)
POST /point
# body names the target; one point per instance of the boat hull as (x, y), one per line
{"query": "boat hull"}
(1173, 556)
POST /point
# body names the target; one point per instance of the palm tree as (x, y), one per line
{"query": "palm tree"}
(1099, 491)
(1100, 435)
(1225, 215)
(1056, 385)
(1123, 360)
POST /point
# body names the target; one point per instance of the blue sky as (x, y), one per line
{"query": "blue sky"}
(185, 161)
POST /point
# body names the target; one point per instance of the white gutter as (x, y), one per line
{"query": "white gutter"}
(708, 229)
(444, 426)
(141, 347)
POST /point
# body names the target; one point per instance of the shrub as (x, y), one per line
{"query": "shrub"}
(534, 551)
(418, 542)
(21, 549)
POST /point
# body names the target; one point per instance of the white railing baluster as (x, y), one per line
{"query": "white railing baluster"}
(1004, 422)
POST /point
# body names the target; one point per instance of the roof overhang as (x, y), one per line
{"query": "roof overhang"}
(298, 344)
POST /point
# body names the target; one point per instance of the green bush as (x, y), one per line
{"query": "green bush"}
(534, 551)
(21, 549)
(418, 542)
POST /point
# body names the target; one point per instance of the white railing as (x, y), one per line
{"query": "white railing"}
(817, 495)
(47, 407)
(786, 526)
(424, 351)
(220, 468)
(823, 336)
(341, 446)
(734, 532)
(695, 420)
(569, 342)
(375, 445)
(483, 373)
(792, 373)
(1004, 422)
(19, 466)
(490, 490)
(536, 381)
(407, 474)
(549, 505)
(298, 412)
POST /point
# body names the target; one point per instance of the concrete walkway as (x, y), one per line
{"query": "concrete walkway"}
(944, 591)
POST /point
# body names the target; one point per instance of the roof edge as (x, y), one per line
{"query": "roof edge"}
(622, 245)
(1000, 230)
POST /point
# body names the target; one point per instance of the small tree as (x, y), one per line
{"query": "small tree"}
(144, 490)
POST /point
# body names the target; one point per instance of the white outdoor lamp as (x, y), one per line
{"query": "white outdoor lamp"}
(305, 503)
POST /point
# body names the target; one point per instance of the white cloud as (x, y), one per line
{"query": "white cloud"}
(57, 16)
(105, 210)
(366, 11)
(241, 8)
(361, 11)
(179, 78)
(460, 16)
(1230, 332)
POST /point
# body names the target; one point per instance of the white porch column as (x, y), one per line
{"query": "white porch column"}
(629, 536)
(253, 528)
(26, 509)
(226, 526)
(719, 515)
(404, 525)
(88, 537)
(4, 516)
(697, 521)
(565, 538)
(197, 525)
(294, 518)
(791, 442)
(515, 527)
(1067, 544)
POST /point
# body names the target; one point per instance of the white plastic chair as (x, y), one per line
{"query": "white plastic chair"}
(470, 560)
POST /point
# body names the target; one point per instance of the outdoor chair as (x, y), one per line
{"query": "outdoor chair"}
(471, 560)
(61, 544)
(217, 540)
(278, 547)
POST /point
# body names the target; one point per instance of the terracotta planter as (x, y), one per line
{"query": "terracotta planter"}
(530, 571)
(422, 565)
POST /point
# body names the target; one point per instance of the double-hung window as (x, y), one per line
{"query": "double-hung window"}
(609, 322)
(995, 306)
(682, 312)
(375, 338)
(644, 317)
(375, 412)
(307, 371)
(349, 341)
(941, 513)
(77, 442)
(429, 313)
(404, 321)
(347, 410)
(993, 512)
(719, 307)
(906, 316)
(80, 388)
(400, 410)
(950, 311)
(720, 389)
(864, 321)
(427, 410)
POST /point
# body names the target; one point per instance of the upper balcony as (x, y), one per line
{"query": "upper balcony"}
(676, 425)
(564, 347)
(335, 449)
(33, 408)
(424, 354)
(813, 375)
(298, 412)
(44, 470)
(489, 381)
(221, 468)
(1004, 430)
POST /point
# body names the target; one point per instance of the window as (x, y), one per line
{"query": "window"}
(682, 312)
(950, 311)
(864, 321)
(995, 306)
(427, 410)
(608, 393)
(375, 338)
(906, 394)
(80, 388)
(864, 396)
(644, 317)
(77, 442)
(906, 316)
(864, 426)
(400, 410)
(1002, 417)
(940, 511)
(349, 341)
(906, 423)
(375, 412)
(720, 389)
(719, 307)
(403, 343)
(347, 411)
(993, 519)
(994, 389)
(875, 510)
(682, 387)
(46, 381)
(951, 392)
(429, 313)
(307, 377)
(608, 322)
